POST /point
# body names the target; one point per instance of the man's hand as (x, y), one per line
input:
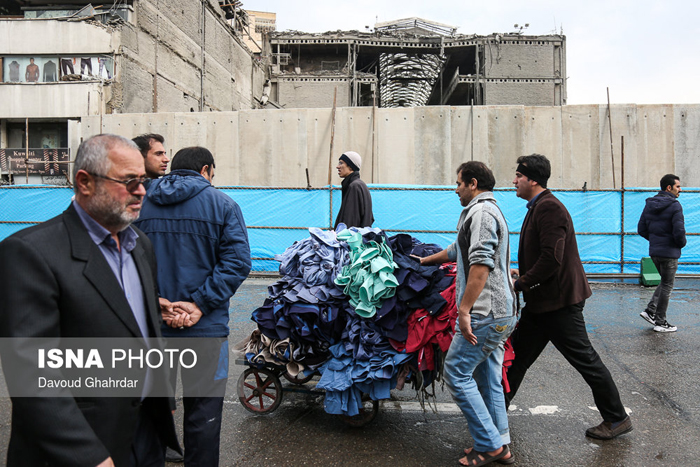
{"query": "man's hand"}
(165, 305)
(465, 327)
(106, 463)
(175, 318)
(191, 312)
(438, 258)
(514, 275)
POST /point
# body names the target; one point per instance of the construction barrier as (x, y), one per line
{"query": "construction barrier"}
(605, 221)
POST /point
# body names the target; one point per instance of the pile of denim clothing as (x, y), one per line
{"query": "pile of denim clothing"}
(304, 308)
(345, 308)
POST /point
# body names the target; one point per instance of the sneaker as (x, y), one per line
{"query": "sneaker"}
(649, 317)
(607, 430)
(665, 327)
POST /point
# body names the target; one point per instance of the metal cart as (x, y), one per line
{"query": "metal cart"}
(260, 391)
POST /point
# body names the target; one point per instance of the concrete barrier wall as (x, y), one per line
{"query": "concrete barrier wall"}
(424, 145)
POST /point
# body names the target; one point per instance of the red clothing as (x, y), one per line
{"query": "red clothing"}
(425, 330)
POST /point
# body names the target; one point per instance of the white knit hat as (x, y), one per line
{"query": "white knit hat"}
(352, 159)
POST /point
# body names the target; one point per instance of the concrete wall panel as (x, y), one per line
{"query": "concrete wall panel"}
(396, 147)
(580, 146)
(223, 141)
(50, 100)
(425, 145)
(78, 37)
(499, 140)
(432, 145)
(320, 160)
(687, 148)
(353, 132)
(542, 130)
(461, 138)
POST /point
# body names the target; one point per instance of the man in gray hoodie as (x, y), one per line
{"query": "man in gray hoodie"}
(487, 315)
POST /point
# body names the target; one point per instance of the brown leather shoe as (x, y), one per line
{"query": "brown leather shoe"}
(606, 431)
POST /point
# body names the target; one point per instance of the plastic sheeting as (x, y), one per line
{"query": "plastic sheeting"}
(278, 217)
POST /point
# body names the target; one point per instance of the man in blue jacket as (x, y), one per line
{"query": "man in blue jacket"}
(663, 225)
(201, 244)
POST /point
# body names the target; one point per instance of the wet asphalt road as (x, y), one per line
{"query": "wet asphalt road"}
(655, 374)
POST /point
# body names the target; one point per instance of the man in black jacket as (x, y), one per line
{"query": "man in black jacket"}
(85, 273)
(356, 205)
(663, 225)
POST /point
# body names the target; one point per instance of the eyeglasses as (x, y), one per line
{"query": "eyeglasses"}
(131, 184)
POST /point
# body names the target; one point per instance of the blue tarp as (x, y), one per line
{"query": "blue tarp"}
(278, 217)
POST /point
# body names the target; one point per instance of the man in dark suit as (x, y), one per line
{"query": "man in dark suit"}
(86, 273)
(555, 289)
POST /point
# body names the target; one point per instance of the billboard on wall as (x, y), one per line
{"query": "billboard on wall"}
(39, 161)
(49, 69)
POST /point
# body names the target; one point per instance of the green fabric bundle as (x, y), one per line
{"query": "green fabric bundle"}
(369, 279)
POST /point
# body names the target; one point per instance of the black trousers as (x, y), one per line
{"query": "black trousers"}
(566, 329)
(147, 449)
(204, 389)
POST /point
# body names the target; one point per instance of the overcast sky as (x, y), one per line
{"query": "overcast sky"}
(646, 52)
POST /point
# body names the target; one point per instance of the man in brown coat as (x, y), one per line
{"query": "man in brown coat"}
(555, 290)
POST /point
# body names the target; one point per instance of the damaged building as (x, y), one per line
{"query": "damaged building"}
(61, 61)
(415, 62)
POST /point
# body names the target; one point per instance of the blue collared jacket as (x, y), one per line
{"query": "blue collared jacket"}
(201, 245)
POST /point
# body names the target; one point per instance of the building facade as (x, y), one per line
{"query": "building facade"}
(60, 63)
(414, 62)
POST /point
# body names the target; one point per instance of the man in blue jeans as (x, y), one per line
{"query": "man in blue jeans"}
(487, 315)
(663, 225)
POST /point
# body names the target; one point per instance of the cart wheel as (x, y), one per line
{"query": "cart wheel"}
(259, 390)
(368, 412)
(296, 379)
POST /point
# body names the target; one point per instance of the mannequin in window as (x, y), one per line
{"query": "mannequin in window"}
(14, 71)
(32, 73)
(50, 72)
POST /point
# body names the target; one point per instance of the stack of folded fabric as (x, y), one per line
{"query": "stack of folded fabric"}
(305, 308)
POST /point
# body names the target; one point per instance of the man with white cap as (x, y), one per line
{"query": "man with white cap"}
(356, 205)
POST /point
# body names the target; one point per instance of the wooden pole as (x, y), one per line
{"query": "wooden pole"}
(330, 159)
(622, 205)
(374, 124)
(612, 157)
